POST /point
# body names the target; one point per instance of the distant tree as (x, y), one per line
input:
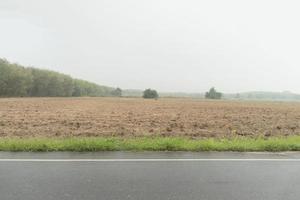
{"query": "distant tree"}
(150, 94)
(117, 92)
(213, 94)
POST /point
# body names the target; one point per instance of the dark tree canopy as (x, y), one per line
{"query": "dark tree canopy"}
(18, 81)
(213, 94)
(150, 94)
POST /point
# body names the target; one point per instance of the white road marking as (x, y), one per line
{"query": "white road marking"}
(153, 160)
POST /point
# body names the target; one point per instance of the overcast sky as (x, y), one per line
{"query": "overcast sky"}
(169, 45)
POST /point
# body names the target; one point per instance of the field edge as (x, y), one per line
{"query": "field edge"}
(93, 144)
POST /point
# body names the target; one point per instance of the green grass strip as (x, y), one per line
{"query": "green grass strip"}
(150, 144)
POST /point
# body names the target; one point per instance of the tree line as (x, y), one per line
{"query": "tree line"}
(20, 81)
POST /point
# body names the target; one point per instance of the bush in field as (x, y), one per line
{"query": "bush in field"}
(150, 94)
(213, 94)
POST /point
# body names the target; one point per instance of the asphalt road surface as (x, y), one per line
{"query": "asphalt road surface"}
(149, 176)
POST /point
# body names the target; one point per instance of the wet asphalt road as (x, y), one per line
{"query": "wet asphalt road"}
(149, 180)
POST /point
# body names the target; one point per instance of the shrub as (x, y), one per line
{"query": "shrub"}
(150, 94)
(213, 94)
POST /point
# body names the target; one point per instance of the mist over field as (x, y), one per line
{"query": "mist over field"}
(170, 45)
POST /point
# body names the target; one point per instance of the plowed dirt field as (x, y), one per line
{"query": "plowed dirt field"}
(130, 117)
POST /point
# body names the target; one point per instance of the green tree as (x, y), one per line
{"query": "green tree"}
(213, 94)
(16, 80)
(150, 94)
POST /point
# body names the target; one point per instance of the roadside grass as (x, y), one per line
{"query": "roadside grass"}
(79, 144)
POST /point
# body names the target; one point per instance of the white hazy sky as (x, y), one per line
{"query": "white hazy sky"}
(169, 45)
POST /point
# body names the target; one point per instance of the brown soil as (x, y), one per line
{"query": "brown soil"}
(54, 117)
